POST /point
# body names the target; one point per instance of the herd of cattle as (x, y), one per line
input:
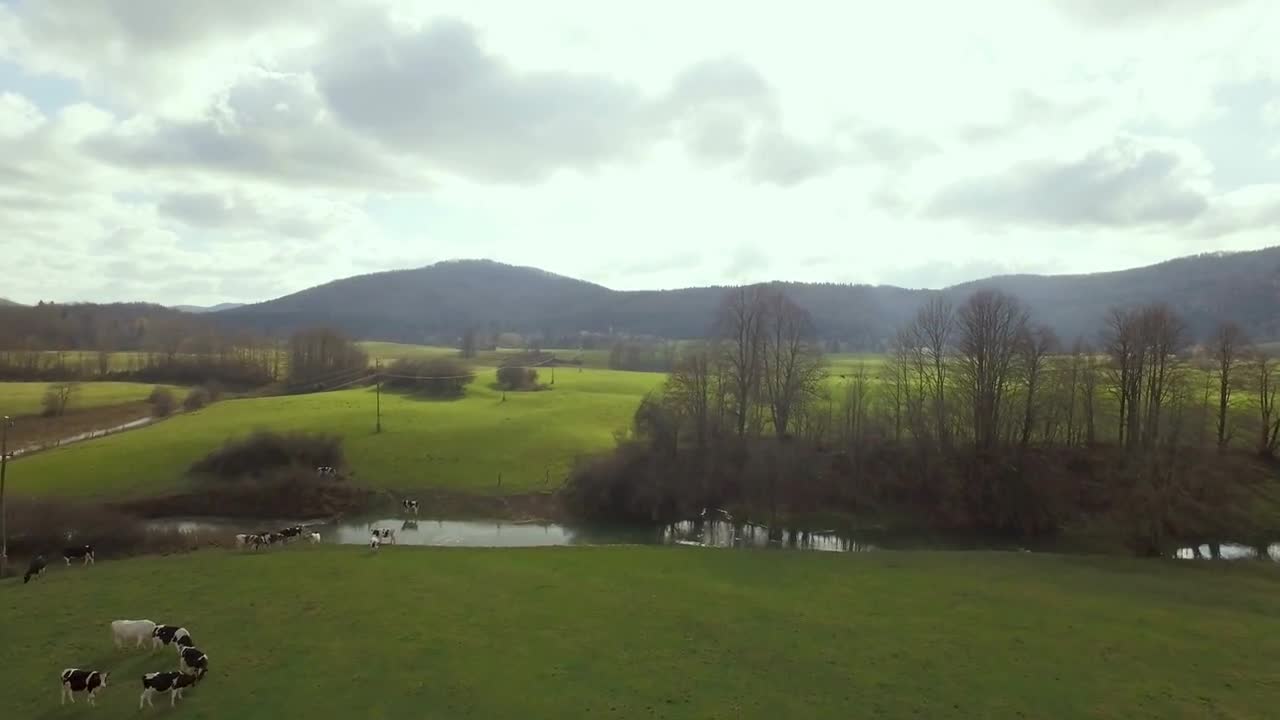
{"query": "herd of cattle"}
(36, 568)
(193, 664)
(281, 537)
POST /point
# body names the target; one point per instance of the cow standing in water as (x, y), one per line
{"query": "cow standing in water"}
(410, 506)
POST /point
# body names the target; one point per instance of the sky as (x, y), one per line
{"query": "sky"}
(237, 150)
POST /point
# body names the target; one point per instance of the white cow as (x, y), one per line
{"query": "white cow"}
(314, 538)
(137, 631)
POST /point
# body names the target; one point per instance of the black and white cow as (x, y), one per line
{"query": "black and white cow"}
(75, 680)
(327, 471)
(410, 506)
(386, 535)
(291, 533)
(165, 635)
(80, 552)
(34, 569)
(165, 682)
(374, 541)
(194, 661)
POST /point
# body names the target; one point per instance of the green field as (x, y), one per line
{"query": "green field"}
(659, 632)
(23, 398)
(389, 351)
(531, 438)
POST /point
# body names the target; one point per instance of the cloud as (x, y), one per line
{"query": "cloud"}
(1127, 183)
(1112, 14)
(782, 160)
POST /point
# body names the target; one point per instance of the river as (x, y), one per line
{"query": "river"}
(704, 533)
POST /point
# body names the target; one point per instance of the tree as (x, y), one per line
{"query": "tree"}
(513, 377)
(1034, 349)
(1266, 371)
(935, 326)
(1229, 343)
(324, 356)
(1162, 335)
(740, 325)
(694, 386)
(1122, 344)
(58, 397)
(989, 326)
(791, 361)
(468, 346)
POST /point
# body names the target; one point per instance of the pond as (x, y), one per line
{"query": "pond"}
(717, 533)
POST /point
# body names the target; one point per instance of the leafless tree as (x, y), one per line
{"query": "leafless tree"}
(988, 328)
(1163, 333)
(693, 386)
(1034, 348)
(791, 362)
(1123, 344)
(1229, 345)
(934, 331)
(1266, 372)
(741, 328)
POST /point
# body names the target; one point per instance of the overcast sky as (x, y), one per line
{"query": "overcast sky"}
(237, 150)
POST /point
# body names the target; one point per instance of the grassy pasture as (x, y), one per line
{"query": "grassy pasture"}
(388, 352)
(461, 445)
(23, 398)
(337, 632)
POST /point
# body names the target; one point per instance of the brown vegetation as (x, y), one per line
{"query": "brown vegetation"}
(440, 377)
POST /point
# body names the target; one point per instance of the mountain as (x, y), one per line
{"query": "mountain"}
(437, 303)
(4, 301)
(198, 309)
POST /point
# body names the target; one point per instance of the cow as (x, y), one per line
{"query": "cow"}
(165, 682)
(123, 631)
(374, 541)
(75, 680)
(81, 552)
(34, 569)
(165, 635)
(290, 533)
(410, 506)
(314, 538)
(193, 660)
(386, 535)
(327, 471)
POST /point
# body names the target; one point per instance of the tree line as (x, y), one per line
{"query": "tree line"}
(978, 418)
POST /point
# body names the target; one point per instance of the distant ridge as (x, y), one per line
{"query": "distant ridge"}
(208, 308)
(438, 302)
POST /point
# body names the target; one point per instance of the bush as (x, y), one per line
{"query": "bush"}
(196, 399)
(517, 378)
(57, 398)
(265, 452)
(441, 377)
(163, 403)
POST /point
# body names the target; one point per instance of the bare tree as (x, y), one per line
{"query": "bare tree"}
(791, 360)
(741, 324)
(935, 327)
(1162, 332)
(693, 387)
(989, 326)
(1034, 348)
(1229, 344)
(1266, 371)
(1122, 342)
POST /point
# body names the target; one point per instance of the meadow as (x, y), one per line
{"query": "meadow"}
(658, 632)
(23, 398)
(389, 351)
(530, 438)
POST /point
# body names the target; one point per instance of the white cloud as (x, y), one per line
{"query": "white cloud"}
(239, 149)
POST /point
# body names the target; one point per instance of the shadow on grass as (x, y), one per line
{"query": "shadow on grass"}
(424, 396)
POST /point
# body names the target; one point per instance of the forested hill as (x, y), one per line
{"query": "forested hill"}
(439, 302)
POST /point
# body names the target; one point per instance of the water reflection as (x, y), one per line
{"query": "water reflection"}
(702, 532)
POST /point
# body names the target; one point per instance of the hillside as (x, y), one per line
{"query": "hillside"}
(5, 301)
(437, 303)
(197, 309)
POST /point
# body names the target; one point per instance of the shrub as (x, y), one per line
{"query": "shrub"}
(57, 398)
(196, 399)
(441, 377)
(265, 452)
(517, 378)
(163, 403)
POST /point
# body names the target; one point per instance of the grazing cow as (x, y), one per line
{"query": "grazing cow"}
(35, 569)
(82, 552)
(314, 538)
(410, 506)
(75, 680)
(193, 660)
(386, 535)
(165, 682)
(123, 631)
(165, 635)
(374, 541)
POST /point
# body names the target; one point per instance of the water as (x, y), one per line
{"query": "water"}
(702, 533)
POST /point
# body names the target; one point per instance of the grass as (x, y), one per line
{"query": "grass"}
(23, 398)
(659, 632)
(531, 438)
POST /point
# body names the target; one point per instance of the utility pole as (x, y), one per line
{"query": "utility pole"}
(377, 368)
(4, 510)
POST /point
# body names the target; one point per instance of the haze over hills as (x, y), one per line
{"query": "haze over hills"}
(438, 302)
(198, 309)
